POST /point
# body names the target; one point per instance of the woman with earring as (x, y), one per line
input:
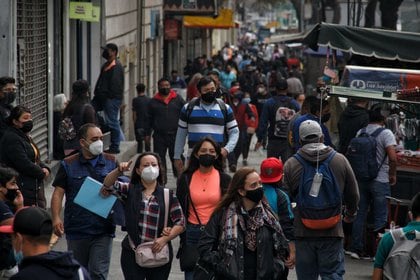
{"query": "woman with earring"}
(243, 239)
(199, 190)
(144, 211)
(20, 152)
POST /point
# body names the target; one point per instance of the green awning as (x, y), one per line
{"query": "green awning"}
(382, 44)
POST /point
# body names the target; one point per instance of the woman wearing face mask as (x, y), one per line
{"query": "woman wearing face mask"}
(243, 239)
(199, 189)
(21, 153)
(144, 211)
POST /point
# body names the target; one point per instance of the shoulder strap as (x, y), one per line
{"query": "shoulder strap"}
(330, 157)
(377, 132)
(223, 107)
(191, 202)
(398, 235)
(167, 205)
(80, 273)
(191, 104)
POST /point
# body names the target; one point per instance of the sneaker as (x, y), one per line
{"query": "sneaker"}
(245, 162)
(359, 256)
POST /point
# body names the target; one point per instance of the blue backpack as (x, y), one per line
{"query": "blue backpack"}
(324, 211)
(361, 153)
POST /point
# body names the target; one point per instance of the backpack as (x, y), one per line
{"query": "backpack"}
(248, 121)
(196, 102)
(323, 211)
(403, 261)
(282, 117)
(361, 153)
(66, 130)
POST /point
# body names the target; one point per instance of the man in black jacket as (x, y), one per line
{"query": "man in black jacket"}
(7, 96)
(109, 92)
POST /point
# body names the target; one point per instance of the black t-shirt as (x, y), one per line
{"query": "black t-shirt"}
(139, 105)
(5, 211)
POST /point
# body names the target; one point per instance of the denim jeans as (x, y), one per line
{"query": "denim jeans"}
(192, 233)
(112, 120)
(319, 257)
(371, 194)
(94, 253)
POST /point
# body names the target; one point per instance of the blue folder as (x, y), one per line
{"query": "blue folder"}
(89, 198)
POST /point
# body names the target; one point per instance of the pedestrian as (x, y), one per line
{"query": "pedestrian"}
(199, 189)
(227, 76)
(140, 105)
(319, 245)
(22, 154)
(176, 81)
(271, 174)
(205, 116)
(7, 97)
(300, 98)
(80, 111)
(109, 92)
(31, 232)
(144, 214)
(276, 114)
(221, 91)
(88, 235)
(243, 239)
(59, 104)
(373, 193)
(163, 114)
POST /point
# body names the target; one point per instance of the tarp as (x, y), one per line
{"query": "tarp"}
(223, 21)
(382, 44)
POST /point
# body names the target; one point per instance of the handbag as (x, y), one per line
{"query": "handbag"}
(143, 252)
(202, 273)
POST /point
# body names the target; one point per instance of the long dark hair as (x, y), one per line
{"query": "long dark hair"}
(194, 164)
(79, 97)
(6, 174)
(237, 183)
(136, 178)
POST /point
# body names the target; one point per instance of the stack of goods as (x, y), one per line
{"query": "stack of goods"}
(409, 94)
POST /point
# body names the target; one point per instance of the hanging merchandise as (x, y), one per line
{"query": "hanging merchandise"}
(331, 74)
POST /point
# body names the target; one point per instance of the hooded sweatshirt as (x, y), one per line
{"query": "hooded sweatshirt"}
(344, 176)
(52, 265)
(351, 120)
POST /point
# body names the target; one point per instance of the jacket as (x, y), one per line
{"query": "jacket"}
(344, 176)
(351, 120)
(52, 265)
(226, 258)
(17, 151)
(163, 118)
(110, 83)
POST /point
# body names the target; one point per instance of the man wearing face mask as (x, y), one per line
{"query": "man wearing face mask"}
(88, 235)
(163, 114)
(109, 92)
(7, 97)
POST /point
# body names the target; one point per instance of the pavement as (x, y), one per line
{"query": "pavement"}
(355, 269)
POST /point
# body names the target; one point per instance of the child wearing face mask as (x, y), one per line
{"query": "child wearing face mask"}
(144, 210)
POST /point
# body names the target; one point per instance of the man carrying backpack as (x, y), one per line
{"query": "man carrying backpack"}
(375, 185)
(398, 252)
(276, 114)
(318, 178)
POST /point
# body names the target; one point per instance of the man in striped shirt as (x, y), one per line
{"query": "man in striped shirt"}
(208, 117)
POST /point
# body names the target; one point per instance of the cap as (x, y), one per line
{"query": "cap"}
(271, 170)
(111, 46)
(281, 84)
(32, 221)
(310, 130)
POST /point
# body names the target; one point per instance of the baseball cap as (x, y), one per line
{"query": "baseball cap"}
(271, 170)
(309, 130)
(111, 46)
(32, 221)
(281, 84)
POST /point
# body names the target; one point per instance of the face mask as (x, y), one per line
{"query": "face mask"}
(150, 173)
(164, 91)
(11, 194)
(235, 103)
(18, 256)
(261, 90)
(209, 97)
(105, 54)
(246, 100)
(9, 98)
(27, 126)
(96, 148)
(325, 118)
(206, 160)
(255, 195)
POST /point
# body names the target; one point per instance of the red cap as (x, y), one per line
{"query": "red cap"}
(271, 170)
(6, 229)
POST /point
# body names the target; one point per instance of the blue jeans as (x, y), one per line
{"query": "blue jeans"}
(111, 112)
(94, 253)
(192, 233)
(319, 257)
(372, 194)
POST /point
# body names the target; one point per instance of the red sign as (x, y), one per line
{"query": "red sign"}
(172, 29)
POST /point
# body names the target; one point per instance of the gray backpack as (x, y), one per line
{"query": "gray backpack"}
(403, 262)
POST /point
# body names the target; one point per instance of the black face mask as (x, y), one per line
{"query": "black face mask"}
(27, 126)
(164, 91)
(11, 195)
(206, 160)
(209, 97)
(255, 195)
(105, 54)
(9, 98)
(325, 118)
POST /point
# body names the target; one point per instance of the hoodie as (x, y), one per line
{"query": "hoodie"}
(351, 120)
(344, 176)
(51, 265)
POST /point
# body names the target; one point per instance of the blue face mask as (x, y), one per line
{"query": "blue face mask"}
(18, 256)
(246, 100)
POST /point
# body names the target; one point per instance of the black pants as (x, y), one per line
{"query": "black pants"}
(278, 148)
(163, 143)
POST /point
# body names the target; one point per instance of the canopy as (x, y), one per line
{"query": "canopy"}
(382, 44)
(223, 21)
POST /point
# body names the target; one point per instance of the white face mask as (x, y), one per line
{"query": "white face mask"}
(150, 173)
(96, 148)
